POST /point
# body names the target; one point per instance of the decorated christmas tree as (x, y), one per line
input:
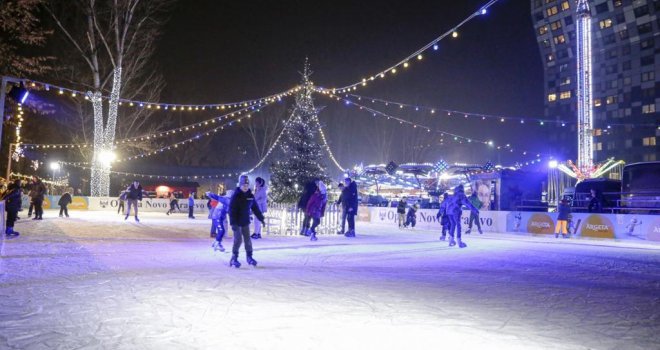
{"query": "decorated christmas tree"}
(300, 159)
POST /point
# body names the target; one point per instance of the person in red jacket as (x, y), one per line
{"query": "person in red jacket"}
(316, 207)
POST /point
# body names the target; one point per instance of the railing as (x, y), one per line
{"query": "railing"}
(286, 220)
(614, 203)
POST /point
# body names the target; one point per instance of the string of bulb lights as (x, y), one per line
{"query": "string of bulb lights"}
(167, 106)
(472, 115)
(456, 137)
(418, 55)
(154, 176)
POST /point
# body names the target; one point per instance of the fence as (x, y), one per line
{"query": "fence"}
(287, 219)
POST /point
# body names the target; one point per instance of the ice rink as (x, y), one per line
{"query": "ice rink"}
(95, 281)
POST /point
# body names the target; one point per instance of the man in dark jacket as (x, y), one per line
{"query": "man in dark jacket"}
(133, 195)
(343, 212)
(309, 190)
(350, 204)
(65, 200)
(401, 210)
(38, 194)
(240, 206)
(13, 203)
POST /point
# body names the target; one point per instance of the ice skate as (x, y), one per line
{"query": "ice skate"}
(556, 235)
(256, 236)
(340, 232)
(564, 235)
(452, 242)
(11, 233)
(234, 262)
(126, 217)
(218, 247)
(350, 233)
(136, 219)
(461, 244)
(251, 261)
(313, 237)
(481, 232)
(468, 231)
(443, 237)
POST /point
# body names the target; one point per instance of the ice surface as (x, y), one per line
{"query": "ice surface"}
(95, 281)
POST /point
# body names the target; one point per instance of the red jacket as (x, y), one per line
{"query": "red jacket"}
(316, 205)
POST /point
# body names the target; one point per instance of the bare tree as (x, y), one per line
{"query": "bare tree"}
(115, 39)
(264, 127)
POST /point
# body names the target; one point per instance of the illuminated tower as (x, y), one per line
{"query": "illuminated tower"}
(585, 160)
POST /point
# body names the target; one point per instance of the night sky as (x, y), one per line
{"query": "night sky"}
(220, 51)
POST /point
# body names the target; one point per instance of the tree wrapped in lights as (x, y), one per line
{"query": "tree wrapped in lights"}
(301, 151)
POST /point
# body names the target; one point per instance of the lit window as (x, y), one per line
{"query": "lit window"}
(606, 23)
(546, 43)
(618, 3)
(597, 102)
(565, 81)
(599, 146)
(551, 11)
(555, 25)
(648, 76)
(564, 95)
(550, 57)
(598, 132)
(646, 109)
(610, 100)
(648, 141)
(559, 39)
(543, 30)
(552, 97)
(565, 6)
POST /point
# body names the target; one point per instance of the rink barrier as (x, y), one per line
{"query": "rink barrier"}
(286, 220)
(607, 226)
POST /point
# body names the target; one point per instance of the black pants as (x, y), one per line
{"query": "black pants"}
(38, 208)
(344, 214)
(64, 209)
(11, 217)
(31, 208)
(350, 217)
(315, 224)
(121, 207)
(241, 233)
(305, 223)
(455, 225)
(190, 212)
(474, 217)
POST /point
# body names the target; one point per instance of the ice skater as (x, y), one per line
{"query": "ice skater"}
(562, 219)
(454, 210)
(401, 211)
(443, 216)
(174, 203)
(121, 199)
(474, 217)
(310, 187)
(350, 204)
(38, 194)
(218, 216)
(240, 205)
(64, 201)
(191, 205)
(261, 197)
(411, 217)
(133, 195)
(13, 202)
(316, 207)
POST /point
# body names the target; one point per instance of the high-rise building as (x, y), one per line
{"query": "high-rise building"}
(626, 75)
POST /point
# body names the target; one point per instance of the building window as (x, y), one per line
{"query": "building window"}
(612, 53)
(641, 11)
(568, 20)
(623, 34)
(650, 157)
(546, 43)
(565, 6)
(610, 99)
(543, 30)
(559, 39)
(611, 69)
(563, 67)
(648, 141)
(628, 143)
(648, 76)
(550, 57)
(650, 92)
(646, 61)
(647, 109)
(609, 39)
(620, 18)
(644, 28)
(552, 97)
(625, 50)
(597, 102)
(646, 44)
(601, 8)
(555, 25)
(562, 54)
(565, 81)
(618, 3)
(626, 65)
(599, 146)
(612, 84)
(551, 11)
(611, 145)
(606, 23)
(627, 81)
(564, 95)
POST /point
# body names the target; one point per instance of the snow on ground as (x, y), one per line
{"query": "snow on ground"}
(95, 281)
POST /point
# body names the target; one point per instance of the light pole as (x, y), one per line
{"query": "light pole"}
(54, 166)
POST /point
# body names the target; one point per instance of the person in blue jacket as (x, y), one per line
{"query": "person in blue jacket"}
(218, 216)
(13, 204)
(564, 210)
(191, 205)
(454, 210)
(443, 216)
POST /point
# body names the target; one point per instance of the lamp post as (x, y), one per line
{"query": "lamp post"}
(55, 167)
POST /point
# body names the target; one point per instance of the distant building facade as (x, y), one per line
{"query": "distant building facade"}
(626, 75)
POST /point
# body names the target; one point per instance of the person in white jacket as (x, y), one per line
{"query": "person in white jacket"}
(261, 197)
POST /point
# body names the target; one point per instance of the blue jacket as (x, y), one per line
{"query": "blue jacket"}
(220, 210)
(349, 198)
(564, 211)
(457, 200)
(191, 201)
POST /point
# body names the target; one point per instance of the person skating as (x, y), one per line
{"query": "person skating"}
(218, 216)
(316, 207)
(474, 217)
(64, 201)
(38, 194)
(310, 187)
(240, 205)
(443, 216)
(191, 205)
(564, 211)
(13, 202)
(261, 197)
(174, 203)
(344, 213)
(411, 217)
(350, 204)
(121, 199)
(29, 187)
(401, 211)
(456, 201)
(133, 195)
